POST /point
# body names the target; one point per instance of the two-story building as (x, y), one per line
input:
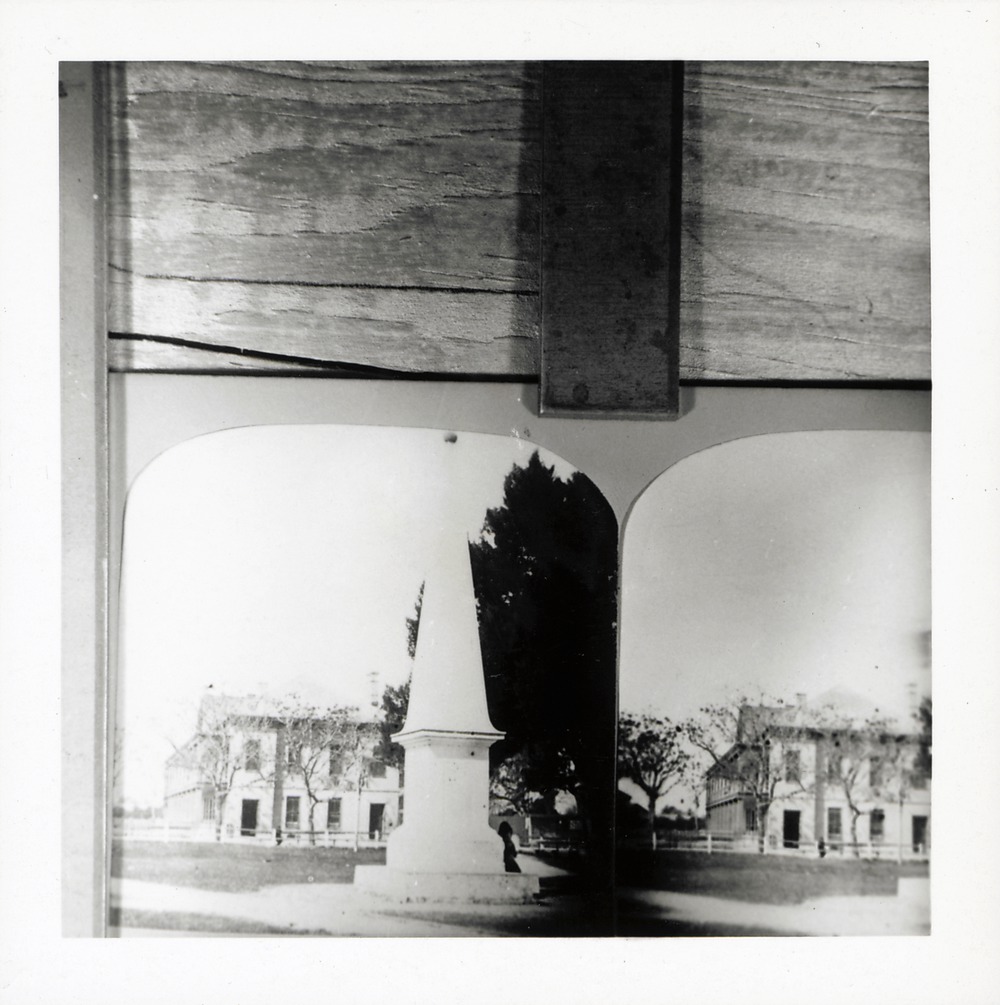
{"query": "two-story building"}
(254, 770)
(829, 777)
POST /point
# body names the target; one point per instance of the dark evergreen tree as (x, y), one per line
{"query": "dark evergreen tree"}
(545, 573)
(394, 704)
(396, 699)
(413, 622)
(925, 717)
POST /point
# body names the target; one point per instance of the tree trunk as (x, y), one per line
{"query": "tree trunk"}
(762, 809)
(220, 805)
(855, 814)
(899, 833)
(312, 818)
(357, 816)
(652, 821)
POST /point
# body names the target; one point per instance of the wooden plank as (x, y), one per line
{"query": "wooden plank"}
(428, 331)
(610, 156)
(360, 213)
(805, 249)
(381, 214)
(154, 355)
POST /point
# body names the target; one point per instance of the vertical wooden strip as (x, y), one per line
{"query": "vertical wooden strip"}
(83, 361)
(610, 238)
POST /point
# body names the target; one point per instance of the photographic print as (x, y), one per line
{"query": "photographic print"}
(774, 737)
(366, 686)
(275, 708)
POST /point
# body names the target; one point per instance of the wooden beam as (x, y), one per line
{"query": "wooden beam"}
(297, 217)
(610, 238)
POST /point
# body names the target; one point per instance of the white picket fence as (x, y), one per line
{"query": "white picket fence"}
(161, 830)
(748, 843)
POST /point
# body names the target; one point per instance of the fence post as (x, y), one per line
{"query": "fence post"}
(708, 842)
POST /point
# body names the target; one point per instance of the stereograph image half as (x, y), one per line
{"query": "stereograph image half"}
(367, 687)
(774, 738)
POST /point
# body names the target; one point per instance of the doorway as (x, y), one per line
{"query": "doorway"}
(790, 828)
(248, 818)
(920, 834)
(376, 811)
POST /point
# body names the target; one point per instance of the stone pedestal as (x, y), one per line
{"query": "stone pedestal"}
(445, 849)
(403, 887)
(446, 806)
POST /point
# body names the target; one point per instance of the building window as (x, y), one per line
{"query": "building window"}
(251, 755)
(834, 763)
(292, 812)
(293, 752)
(207, 806)
(336, 763)
(876, 773)
(793, 766)
(834, 825)
(333, 815)
(876, 828)
(376, 768)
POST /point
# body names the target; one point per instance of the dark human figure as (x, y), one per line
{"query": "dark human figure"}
(821, 846)
(509, 851)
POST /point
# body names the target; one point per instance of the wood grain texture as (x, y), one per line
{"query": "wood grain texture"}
(379, 214)
(386, 215)
(610, 221)
(805, 251)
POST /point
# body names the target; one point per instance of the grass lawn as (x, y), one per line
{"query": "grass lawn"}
(236, 867)
(761, 879)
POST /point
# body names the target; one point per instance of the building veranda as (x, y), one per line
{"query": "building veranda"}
(828, 778)
(259, 769)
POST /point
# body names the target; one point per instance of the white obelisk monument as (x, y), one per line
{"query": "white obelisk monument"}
(445, 849)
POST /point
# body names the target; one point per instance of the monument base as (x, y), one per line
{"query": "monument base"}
(446, 887)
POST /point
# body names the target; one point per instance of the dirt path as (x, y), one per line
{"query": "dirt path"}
(338, 909)
(907, 913)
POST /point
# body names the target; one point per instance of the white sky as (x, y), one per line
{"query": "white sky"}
(276, 559)
(787, 563)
